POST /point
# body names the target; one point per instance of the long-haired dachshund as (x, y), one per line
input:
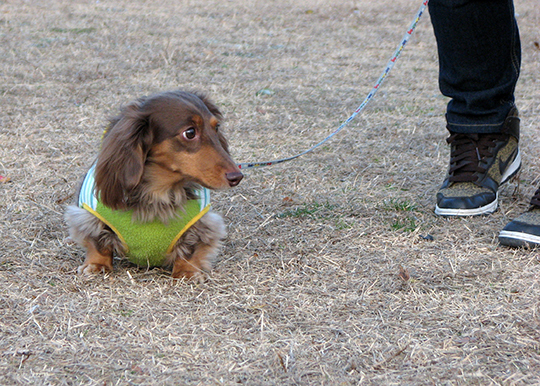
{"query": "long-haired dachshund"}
(146, 197)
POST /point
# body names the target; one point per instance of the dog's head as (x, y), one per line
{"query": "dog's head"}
(169, 140)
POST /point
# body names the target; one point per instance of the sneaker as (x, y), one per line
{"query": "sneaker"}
(524, 231)
(479, 164)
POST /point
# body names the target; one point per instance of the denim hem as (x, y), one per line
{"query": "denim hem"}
(475, 129)
(479, 125)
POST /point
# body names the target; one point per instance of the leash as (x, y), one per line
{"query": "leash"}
(389, 66)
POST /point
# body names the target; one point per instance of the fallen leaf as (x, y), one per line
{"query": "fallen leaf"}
(404, 274)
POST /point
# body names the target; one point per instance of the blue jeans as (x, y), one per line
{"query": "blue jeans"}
(479, 59)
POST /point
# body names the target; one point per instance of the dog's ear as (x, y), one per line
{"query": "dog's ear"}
(215, 111)
(121, 160)
(210, 105)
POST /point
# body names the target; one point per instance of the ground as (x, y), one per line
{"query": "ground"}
(335, 270)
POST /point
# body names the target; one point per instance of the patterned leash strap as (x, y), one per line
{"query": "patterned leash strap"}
(391, 63)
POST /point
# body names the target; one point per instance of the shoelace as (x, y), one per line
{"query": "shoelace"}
(468, 152)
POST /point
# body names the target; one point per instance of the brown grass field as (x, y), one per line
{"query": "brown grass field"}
(335, 270)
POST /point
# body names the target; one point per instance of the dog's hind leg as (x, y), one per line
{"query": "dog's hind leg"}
(196, 266)
(96, 261)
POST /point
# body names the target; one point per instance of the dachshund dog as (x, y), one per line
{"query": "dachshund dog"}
(146, 197)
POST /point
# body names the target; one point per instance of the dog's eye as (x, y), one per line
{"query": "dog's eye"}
(190, 133)
(217, 127)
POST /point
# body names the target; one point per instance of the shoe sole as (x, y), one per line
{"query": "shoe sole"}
(518, 239)
(487, 209)
(492, 206)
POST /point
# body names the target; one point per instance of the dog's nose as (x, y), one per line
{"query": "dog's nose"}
(234, 178)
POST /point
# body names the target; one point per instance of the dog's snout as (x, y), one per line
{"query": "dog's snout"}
(234, 178)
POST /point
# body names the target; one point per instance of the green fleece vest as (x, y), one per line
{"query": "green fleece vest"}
(146, 244)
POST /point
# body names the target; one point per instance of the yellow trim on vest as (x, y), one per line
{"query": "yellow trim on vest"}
(88, 208)
(188, 225)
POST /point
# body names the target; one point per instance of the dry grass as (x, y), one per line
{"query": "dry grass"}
(328, 276)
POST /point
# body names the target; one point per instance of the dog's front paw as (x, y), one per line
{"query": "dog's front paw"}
(191, 276)
(93, 269)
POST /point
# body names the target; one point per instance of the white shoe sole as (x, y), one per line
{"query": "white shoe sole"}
(487, 209)
(520, 238)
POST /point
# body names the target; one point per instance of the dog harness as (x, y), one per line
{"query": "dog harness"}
(146, 244)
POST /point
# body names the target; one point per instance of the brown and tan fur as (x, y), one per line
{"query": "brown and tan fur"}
(151, 158)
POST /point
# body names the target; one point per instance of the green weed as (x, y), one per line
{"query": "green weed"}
(405, 225)
(400, 205)
(313, 210)
(73, 30)
(317, 211)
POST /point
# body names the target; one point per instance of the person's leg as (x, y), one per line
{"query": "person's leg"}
(479, 58)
